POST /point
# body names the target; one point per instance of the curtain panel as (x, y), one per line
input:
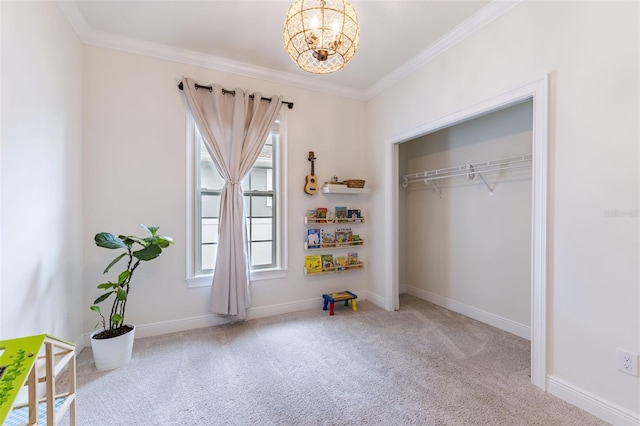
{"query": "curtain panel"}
(234, 128)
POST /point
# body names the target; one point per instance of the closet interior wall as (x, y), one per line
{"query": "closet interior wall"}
(464, 246)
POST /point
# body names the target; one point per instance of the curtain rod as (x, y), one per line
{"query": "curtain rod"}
(232, 92)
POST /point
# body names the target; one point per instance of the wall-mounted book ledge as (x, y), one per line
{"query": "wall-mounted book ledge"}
(334, 269)
(347, 244)
(332, 220)
(468, 170)
(343, 189)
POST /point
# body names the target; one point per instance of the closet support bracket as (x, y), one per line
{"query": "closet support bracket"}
(485, 183)
(434, 186)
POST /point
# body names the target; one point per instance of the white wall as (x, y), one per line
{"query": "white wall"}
(41, 280)
(590, 50)
(465, 245)
(135, 156)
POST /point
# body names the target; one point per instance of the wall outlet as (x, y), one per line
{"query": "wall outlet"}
(628, 362)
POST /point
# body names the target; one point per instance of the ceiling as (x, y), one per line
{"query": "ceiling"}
(246, 36)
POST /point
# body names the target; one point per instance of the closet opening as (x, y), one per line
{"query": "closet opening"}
(465, 218)
(460, 210)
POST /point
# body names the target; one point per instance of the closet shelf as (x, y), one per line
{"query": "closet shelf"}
(468, 170)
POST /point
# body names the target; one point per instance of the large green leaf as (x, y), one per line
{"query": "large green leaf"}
(114, 261)
(152, 229)
(122, 294)
(157, 240)
(123, 276)
(108, 240)
(129, 239)
(148, 253)
(104, 286)
(101, 298)
(164, 241)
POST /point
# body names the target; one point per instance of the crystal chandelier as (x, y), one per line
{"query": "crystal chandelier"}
(321, 36)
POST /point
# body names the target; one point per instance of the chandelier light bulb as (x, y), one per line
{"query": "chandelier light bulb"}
(321, 36)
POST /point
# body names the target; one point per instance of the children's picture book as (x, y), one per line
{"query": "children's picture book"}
(313, 264)
(343, 236)
(341, 263)
(327, 238)
(341, 213)
(327, 262)
(313, 238)
(352, 258)
(311, 214)
(356, 240)
(353, 215)
(321, 214)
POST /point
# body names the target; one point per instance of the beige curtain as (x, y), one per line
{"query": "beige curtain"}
(234, 129)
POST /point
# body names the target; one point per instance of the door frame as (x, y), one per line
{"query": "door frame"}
(538, 92)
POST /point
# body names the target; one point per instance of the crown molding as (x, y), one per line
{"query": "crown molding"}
(160, 51)
(93, 37)
(75, 18)
(478, 20)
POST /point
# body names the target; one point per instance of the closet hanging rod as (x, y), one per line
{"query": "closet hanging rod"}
(469, 170)
(232, 93)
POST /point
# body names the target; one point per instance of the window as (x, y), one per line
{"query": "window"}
(264, 204)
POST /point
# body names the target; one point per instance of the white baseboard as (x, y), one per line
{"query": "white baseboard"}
(502, 323)
(374, 298)
(172, 326)
(591, 403)
(81, 343)
(209, 320)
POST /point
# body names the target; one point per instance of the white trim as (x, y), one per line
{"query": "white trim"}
(477, 21)
(510, 326)
(392, 230)
(81, 343)
(603, 409)
(538, 91)
(75, 18)
(190, 201)
(258, 275)
(160, 51)
(373, 298)
(172, 326)
(210, 320)
(193, 205)
(484, 16)
(283, 198)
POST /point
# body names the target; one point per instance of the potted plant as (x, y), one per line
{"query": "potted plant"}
(113, 344)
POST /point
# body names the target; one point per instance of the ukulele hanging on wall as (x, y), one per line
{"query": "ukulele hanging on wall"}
(311, 187)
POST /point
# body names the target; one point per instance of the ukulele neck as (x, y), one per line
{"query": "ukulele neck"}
(311, 158)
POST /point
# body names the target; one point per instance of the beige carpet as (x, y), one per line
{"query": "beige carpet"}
(422, 365)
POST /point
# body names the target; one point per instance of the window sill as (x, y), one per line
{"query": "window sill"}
(266, 274)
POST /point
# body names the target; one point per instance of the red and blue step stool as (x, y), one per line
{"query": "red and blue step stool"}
(331, 298)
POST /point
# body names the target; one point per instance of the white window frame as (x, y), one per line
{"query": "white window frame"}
(194, 279)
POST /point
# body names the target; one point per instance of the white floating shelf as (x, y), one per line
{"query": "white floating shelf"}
(343, 189)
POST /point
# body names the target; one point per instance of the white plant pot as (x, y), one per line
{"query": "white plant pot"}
(114, 352)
